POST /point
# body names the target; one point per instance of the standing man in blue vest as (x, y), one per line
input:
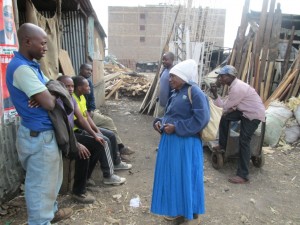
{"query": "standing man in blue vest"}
(36, 144)
(164, 86)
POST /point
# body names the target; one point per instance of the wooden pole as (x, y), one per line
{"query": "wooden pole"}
(152, 88)
(281, 88)
(259, 43)
(270, 74)
(288, 51)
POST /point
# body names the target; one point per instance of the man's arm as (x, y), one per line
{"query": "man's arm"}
(92, 124)
(26, 80)
(84, 123)
(91, 106)
(45, 100)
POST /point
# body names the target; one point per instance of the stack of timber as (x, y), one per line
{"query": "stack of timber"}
(256, 55)
(123, 81)
(113, 68)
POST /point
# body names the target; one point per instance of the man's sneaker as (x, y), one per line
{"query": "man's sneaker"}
(125, 158)
(114, 180)
(126, 151)
(123, 166)
(90, 182)
(62, 214)
(84, 198)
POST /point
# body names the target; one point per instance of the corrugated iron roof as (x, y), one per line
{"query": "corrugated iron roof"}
(67, 5)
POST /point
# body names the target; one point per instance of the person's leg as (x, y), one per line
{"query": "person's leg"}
(81, 171)
(42, 160)
(115, 153)
(98, 152)
(105, 122)
(224, 126)
(112, 143)
(248, 128)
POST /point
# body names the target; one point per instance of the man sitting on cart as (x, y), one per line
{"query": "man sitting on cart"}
(245, 105)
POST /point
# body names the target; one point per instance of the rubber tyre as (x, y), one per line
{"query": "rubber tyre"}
(217, 160)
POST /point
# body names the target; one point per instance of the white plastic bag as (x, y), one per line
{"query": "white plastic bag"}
(276, 116)
(209, 133)
(291, 131)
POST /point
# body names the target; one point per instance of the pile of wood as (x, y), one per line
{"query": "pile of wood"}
(120, 80)
(127, 85)
(256, 56)
(113, 68)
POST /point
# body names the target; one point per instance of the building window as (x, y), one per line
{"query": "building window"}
(142, 27)
(142, 16)
(142, 39)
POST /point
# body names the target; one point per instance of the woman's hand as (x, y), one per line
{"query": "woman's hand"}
(169, 128)
(84, 153)
(158, 126)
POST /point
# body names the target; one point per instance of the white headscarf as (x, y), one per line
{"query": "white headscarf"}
(187, 70)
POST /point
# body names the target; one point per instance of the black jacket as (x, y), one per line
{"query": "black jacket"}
(63, 131)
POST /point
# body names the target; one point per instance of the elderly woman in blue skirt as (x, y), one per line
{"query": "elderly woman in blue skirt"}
(178, 190)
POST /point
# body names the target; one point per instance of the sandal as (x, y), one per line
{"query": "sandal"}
(62, 214)
(173, 218)
(238, 180)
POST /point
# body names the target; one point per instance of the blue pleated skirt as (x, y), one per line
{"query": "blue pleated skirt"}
(178, 188)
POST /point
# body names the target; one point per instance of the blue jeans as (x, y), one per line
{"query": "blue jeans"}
(42, 161)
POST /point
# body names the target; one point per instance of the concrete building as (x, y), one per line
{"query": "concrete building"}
(137, 33)
(134, 33)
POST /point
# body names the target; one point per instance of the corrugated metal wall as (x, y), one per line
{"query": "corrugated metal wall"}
(73, 37)
(10, 168)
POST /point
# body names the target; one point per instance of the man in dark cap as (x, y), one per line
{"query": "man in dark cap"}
(243, 104)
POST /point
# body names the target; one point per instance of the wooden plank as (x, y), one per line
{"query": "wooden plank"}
(283, 94)
(65, 63)
(267, 36)
(247, 63)
(241, 37)
(259, 43)
(232, 60)
(281, 88)
(297, 86)
(116, 87)
(269, 79)
(111, 76)
(262, 87)
(274, 39)
(244, 58)
(288, 52)
(293, 84)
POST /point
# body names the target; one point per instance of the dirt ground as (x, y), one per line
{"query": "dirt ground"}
(271, 197)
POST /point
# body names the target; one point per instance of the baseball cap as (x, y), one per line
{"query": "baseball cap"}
(228, 69)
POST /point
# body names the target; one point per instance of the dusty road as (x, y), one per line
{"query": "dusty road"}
(272, 196)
